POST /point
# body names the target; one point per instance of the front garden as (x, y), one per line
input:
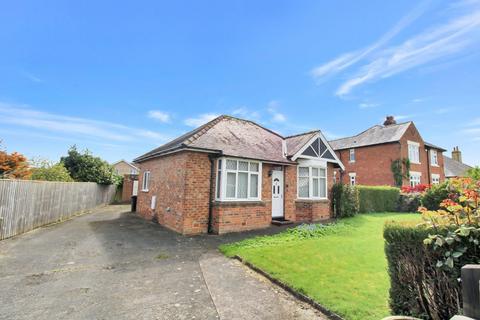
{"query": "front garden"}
(350, 269)
(341, 266)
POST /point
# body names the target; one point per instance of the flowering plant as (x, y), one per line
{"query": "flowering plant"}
(456, 223)
(419, 188)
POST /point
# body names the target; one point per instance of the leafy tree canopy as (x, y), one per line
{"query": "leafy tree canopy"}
(474, 173)
(85, 167)
(48, 171)
(13, 165)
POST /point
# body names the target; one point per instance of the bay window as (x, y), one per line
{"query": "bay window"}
(312, 182)
(238, 180)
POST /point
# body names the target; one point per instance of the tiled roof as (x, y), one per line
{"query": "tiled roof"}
(454, 168)
(432, 146)
(296, 142)
(374, 135)
(229, 136)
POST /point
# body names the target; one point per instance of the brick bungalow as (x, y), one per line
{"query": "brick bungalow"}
(234, 175)
(368, 156)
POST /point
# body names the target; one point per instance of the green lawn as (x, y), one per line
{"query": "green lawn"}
(345, 270)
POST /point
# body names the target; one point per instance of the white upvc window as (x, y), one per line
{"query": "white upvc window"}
(434, 158)
(435, 178)
(146, 181)
(414, 152)
(238, 180)
(311, 182)
(352, 155)
(415, 178)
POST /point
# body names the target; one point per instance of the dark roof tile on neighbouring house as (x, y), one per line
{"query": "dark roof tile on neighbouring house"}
(375, 135)
(454, 168)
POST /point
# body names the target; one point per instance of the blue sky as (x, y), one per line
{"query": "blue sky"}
(122, 78)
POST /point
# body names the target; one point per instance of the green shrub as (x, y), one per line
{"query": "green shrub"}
(345, 200)
(378, 198)
(409, 202)
(435, 195)
(418, 287)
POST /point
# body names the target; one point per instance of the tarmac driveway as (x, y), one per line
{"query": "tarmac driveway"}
(111, 264)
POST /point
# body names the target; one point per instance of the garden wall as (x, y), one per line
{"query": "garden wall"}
(26, 205)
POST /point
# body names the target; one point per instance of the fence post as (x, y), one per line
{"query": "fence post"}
(470, 290)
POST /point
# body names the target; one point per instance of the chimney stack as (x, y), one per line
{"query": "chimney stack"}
(457, 154)
(389, 121)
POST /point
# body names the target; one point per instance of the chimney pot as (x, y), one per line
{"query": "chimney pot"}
(457, 154)
(389, 121)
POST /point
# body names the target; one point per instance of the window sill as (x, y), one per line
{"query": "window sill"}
(411, 162)
(312, 200)
(434, 165)
(144, 190)
(238, 203)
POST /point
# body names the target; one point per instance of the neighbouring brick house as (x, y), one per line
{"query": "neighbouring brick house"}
(454, 166)
(233, 175)
(123, 167)
(368, 156)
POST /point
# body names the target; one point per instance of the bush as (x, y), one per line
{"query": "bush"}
(345, 200)
(409, 202)
(419, 188)
(418, 288)
(377, 199)
(435, 195)
(425, 261)
(84, 167)
(46, 171)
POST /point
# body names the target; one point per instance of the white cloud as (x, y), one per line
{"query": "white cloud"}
(403, 117)
(365, 105)
(244, 112)
(159, 115)
(276, 116)
(433, 44)
(348, 59)
(200, 120)
(31, 77)
(80, 128)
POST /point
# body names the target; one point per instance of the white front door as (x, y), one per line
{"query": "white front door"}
(277, 194)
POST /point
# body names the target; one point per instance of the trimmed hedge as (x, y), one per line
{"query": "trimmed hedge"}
(418, 287)
(345, 200)
(378, 198)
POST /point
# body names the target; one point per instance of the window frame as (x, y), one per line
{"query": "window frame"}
(351, 155)
(146, 181)
(310, 181)
(417, 175)
(221, 180)
(435, 176)
(432, 158)
(416, 145)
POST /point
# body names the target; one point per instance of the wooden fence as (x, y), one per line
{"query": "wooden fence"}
(26, 205)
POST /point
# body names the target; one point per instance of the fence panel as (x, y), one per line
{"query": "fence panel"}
(26, 205)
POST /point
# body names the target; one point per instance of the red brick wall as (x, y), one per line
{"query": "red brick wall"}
(167, 182)
(373, 163)
(127, 188)
(181, 183)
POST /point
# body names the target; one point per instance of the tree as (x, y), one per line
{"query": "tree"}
(87, 168)
(13, 166)
(48, 171)
(474, 173)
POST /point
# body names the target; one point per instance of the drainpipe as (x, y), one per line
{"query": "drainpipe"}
(210, 194)
(428, 165)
